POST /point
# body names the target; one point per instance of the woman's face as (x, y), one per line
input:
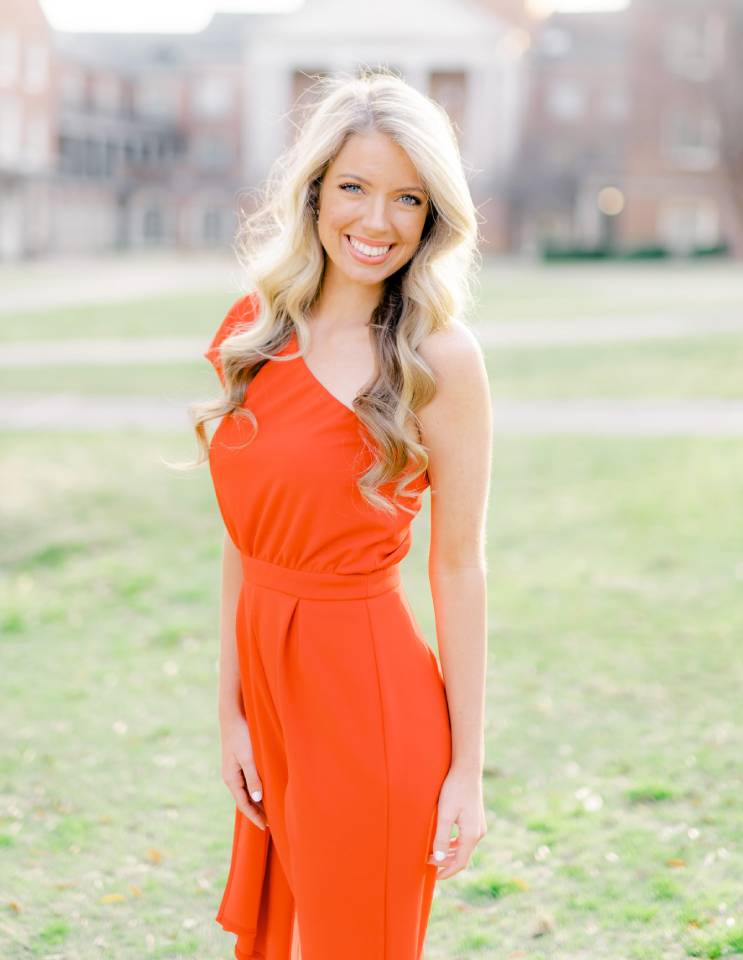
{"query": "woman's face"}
(372, 209)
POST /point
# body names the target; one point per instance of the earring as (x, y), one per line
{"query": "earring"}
(317, 213)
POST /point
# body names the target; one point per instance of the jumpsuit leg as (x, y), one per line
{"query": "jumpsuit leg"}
(355, 708)
(349, 722)
(275, 932)
(276, 935)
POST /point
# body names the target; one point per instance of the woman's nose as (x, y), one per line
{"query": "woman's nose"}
(375, 218)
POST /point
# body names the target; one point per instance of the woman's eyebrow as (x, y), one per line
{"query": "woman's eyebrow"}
(357, 177)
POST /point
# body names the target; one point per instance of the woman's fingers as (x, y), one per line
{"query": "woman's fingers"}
(448, 854)
(462, 846)
(255, 789)
(253, 782)
(461, 805)
(239, 771)
(441, 840)
(236, 787)
(237, 782)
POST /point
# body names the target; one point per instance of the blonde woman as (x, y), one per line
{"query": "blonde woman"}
(350, 385)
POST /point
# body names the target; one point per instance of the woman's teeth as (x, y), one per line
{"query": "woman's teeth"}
(366, 250)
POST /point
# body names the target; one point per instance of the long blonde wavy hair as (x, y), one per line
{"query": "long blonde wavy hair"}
(280, 249)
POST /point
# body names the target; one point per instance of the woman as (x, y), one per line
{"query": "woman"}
(350, 385)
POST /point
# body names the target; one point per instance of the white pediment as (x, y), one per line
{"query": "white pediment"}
(390, 20)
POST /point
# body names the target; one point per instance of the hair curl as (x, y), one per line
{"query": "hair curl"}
(280, 249)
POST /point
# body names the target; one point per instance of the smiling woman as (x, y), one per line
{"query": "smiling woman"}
(370, 219)
(351, 386)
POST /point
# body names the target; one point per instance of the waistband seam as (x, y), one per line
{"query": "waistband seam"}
(319, 584)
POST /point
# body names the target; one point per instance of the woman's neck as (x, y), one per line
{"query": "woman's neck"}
(344, 304)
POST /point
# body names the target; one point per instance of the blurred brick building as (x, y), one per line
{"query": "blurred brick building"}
(117, 141)
(141, 141)
(28, 118)
(632, 135)
(679, 184)
(585, 130)
(465, 54)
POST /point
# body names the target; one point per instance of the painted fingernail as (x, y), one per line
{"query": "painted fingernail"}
(256, 795)
(439, 855)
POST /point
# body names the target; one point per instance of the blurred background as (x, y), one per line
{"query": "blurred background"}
(613, 130)
(603, 144)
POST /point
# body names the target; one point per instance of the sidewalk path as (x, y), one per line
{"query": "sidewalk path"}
(118, 351)
(599, 417)
(114, 351)
(76, 280)
(537, 333)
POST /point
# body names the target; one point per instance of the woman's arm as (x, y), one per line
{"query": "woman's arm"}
(238, 763)
(457, 432)
(230, 697)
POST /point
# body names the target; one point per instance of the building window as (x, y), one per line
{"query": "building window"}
(72, 87)
(212, 226)
(107, 94)
(10, 57)
(93, 158)
(10, 128)
(449, 88)
(111, 157)
(37, 68)
(555, 42)
(213, 96)
(156, 96)
(152, 225)
(687, 223)
(566, 100)
(615, 105)
(37, 142)
(70, 156)
(212, 153)
(692, 138)
(694, 45)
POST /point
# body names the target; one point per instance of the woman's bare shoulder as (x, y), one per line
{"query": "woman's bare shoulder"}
(452, 353)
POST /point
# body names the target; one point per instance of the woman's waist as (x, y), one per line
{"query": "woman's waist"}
(320, 584)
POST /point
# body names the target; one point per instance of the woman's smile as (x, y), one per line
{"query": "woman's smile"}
(367, 253)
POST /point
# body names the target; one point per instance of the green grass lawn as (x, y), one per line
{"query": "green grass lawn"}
(695, 366)
(165, 316)
(704, 367)
(160, 381)
(614, 712)
(614, 724)
(507, 291)
(511, 291)
(708, 366)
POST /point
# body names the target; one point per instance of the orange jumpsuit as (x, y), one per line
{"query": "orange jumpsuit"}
(344, 699)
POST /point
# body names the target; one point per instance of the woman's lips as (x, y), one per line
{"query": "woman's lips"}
(362, 257)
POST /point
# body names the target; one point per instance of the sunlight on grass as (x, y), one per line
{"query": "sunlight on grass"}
(614, 724)
(613, 717)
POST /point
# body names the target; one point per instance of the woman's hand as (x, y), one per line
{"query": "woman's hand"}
(239, 772)
(460, 802)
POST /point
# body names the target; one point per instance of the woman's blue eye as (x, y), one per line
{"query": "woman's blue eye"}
(415, 204)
